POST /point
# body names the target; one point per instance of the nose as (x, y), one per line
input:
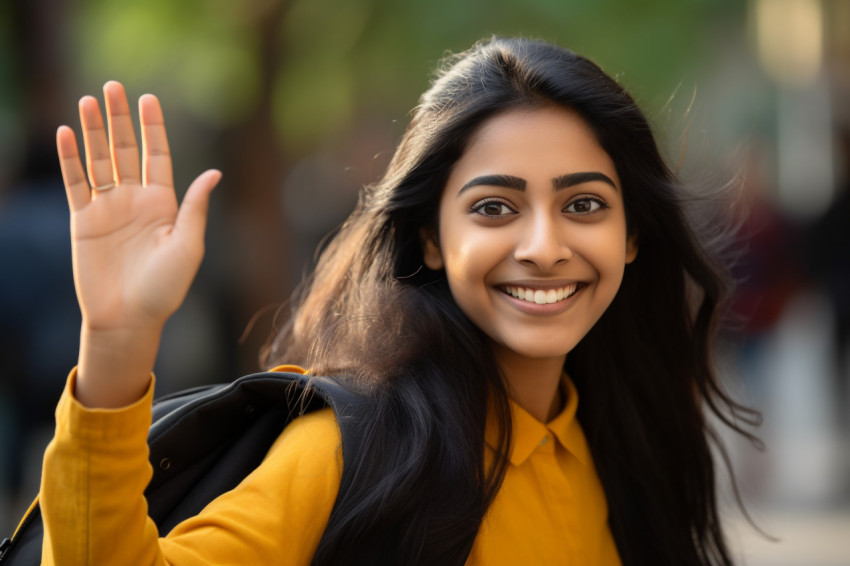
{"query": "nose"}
(543, 243)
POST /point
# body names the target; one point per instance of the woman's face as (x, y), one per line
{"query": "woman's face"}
(532, 232)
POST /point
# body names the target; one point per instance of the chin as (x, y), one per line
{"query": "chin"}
(538, 351)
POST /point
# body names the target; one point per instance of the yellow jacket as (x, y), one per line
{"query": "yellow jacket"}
(549, 510)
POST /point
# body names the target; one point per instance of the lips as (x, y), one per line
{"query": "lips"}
(542, 296)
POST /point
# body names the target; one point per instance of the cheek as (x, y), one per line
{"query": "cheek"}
(605, 249)
(466, 274)
(469, 252)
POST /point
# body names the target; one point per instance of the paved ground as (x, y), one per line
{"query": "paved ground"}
(807, 538)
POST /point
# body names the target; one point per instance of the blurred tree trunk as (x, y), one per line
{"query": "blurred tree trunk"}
(256, 166)
(39, 39)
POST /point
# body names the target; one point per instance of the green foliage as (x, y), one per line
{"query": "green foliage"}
(338, 58)
(204, 53)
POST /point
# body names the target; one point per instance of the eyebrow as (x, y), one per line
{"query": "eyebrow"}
(518, 183)
(565, 181)
(507, 181)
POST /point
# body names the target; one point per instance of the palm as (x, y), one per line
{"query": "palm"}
(123, 257)
(135, 254)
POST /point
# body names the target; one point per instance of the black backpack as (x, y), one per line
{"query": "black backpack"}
(203, 441)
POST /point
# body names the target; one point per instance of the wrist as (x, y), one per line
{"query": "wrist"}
(114, 366)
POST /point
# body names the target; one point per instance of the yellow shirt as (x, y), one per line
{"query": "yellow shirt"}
(549, 510)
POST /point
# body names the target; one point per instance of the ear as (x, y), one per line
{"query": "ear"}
(631, 248)
(431, 253)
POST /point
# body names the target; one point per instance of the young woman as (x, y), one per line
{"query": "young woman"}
(520, 300)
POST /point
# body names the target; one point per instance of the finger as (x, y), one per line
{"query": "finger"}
(192, 216)
(122, 137)
(73, 175)
(156, 157)
(98, 161)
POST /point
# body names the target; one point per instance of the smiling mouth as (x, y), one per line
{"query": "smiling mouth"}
(542, 296)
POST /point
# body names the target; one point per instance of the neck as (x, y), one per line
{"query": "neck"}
(534, 383)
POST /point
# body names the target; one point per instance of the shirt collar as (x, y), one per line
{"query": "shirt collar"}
(529, 434)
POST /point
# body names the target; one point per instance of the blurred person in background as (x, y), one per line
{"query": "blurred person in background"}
(827, 247)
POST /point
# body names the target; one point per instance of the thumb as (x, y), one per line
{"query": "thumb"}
(192, 216)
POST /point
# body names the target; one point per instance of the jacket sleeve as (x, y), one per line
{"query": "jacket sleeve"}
(96, 469)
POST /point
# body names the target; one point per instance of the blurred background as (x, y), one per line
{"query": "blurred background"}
(300, 103)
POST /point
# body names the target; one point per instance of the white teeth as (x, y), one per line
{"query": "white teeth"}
(540, 296)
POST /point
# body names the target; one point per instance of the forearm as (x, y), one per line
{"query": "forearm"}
(114, 366)
(95, 472)
(135, 253)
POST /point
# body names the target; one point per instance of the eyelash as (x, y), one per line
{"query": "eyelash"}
(592, 198)
(479, 206)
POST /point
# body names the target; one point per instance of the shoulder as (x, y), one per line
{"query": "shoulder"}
(290, 494)
(301, 470)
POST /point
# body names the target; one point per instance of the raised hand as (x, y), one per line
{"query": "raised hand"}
(135, 253)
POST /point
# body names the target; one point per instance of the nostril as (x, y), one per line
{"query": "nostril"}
(544, 257)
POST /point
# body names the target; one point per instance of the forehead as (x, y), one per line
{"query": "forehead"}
(546, 141)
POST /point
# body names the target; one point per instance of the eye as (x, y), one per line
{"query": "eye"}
(586, 205)
(492, 208)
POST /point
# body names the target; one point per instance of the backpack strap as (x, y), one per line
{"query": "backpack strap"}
(205, 441)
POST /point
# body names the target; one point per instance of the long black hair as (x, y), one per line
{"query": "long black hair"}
(375, 318)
